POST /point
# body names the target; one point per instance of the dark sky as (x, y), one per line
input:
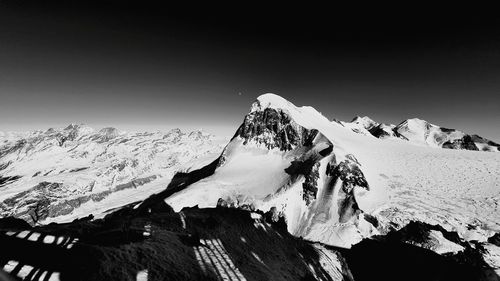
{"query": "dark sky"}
(139, 65)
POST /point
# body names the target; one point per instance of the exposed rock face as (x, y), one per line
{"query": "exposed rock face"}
(485, 144)
(309, 169)
(274, 128)
(310, 185)
(350, 174)
(7, 180)
(383, 131)
(230, 202)
(465, 142)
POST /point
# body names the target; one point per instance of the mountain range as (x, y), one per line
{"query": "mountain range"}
(421, 132)
(46, 175)
(357, 200)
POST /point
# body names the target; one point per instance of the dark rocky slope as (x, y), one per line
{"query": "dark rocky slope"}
(195, 244)
(216, 244)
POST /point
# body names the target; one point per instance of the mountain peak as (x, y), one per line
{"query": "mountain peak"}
(359, 118)
(270, 100)
(365, 121)
(414, 121)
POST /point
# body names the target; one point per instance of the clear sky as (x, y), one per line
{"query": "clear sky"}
(135, 65)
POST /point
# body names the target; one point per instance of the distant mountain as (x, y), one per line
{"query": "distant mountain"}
(421, 132)
(60, 173)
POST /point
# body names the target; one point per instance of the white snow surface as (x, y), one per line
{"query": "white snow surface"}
(122, 166)
(366, 121)
(457, 189)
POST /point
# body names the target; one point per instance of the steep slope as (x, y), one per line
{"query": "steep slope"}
(421, 132)
(336, 186)
(279, 157)
(383, 131)
(60, 174)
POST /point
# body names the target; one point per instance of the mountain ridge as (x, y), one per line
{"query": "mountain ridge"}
(421, 132)
(47, 175)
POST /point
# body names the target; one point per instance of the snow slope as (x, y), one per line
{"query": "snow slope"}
(328, 199)
(61, 174)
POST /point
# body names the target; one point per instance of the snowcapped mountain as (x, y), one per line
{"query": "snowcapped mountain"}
(59, 174)
(337, 187)
(281, 157)
(361, 125)
(365, 188)
(421, 132)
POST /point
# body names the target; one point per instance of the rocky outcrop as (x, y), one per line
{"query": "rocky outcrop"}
(236, 203)
(49, 199)
(351, 176)
(8, 179)
(485, 144)
(310, 185)
(465, 142)
(382, 131)
(274, 128)
(309, 169)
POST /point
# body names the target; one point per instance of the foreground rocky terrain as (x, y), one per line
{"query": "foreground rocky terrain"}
(215, 244)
